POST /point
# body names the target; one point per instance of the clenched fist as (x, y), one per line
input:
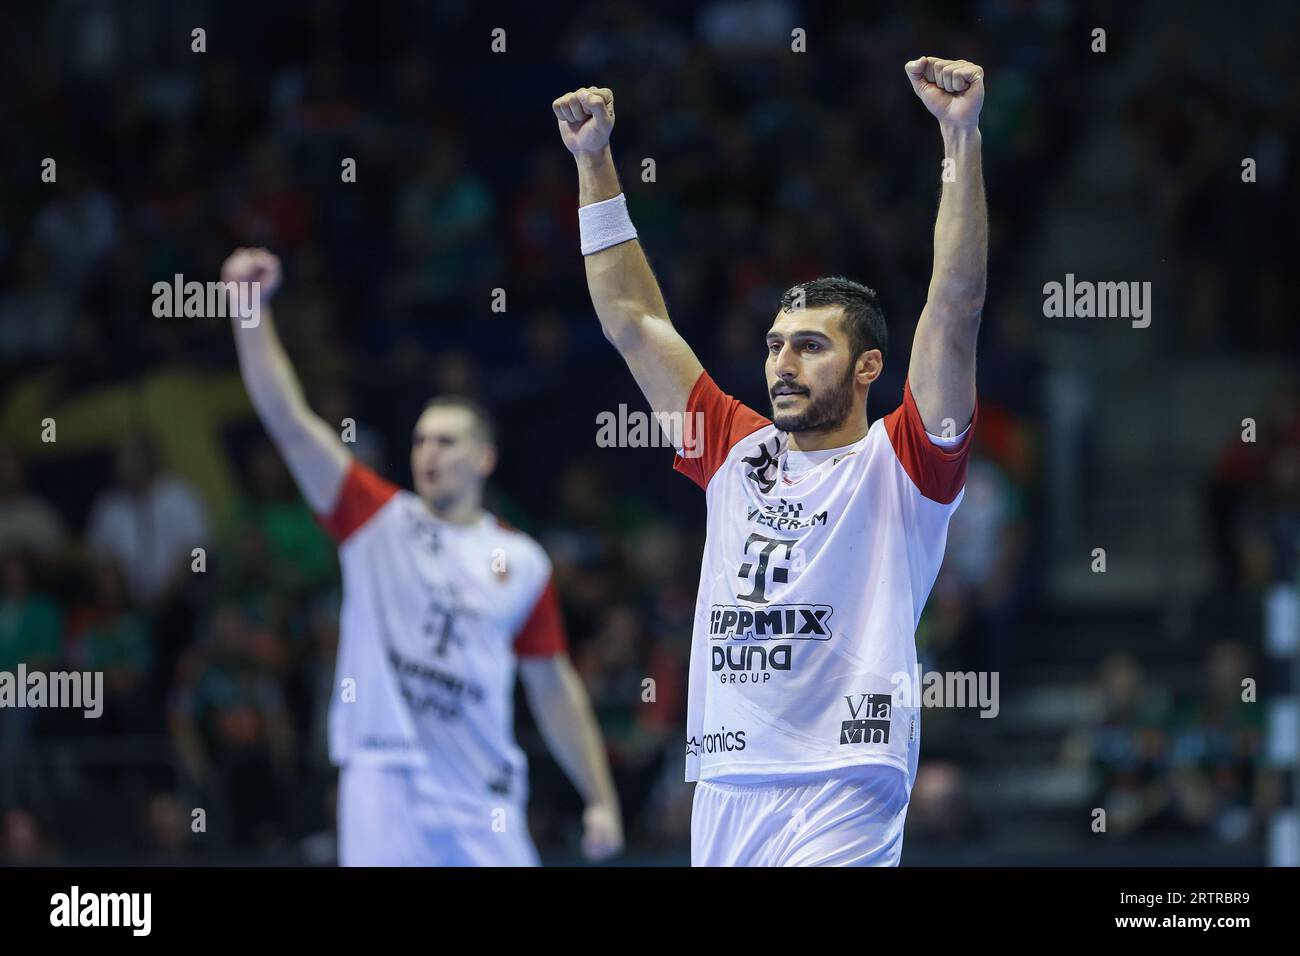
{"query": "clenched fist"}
(602, 835)
(586, 118)
(253, 265)
(953, 90)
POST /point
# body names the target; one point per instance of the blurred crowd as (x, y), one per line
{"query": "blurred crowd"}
(159, 538)
(1199, 142)
(1253, 498)
(1178, 763)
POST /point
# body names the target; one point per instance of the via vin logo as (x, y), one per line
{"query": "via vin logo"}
(870, 719)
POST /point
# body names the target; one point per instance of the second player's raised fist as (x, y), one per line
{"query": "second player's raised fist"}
(253, 265)
(586, 118)
(953, 90)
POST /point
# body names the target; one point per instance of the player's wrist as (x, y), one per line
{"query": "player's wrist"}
(960, 133)
(597, 177)
(591, 160)
(605, 801)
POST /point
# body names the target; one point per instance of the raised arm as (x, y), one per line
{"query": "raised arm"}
(623, 289)
(311, 449)
(942, 373)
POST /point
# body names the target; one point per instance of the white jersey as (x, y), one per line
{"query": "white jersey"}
(816, 568)
(433, 617)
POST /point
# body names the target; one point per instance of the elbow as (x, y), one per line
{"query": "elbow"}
(278, 418)
(628, 324)
(958, 291)
(624, 335)
(287, 422)
(543, 677)
(959, 311)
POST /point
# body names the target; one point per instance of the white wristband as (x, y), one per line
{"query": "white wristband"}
(604, 224)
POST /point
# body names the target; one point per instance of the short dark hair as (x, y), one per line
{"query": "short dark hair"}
(484, 425)
(864, 320)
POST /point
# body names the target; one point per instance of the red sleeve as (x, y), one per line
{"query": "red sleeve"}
(543, 633)
(363, 493)
(938, 472)
(714, 423)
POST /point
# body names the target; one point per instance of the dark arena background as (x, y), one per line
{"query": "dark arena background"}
(1125, 564)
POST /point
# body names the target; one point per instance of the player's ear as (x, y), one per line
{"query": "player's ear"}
(870, 364)
(487, 460)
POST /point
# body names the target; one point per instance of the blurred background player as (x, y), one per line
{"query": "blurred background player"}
(824, 534)
(441, 603)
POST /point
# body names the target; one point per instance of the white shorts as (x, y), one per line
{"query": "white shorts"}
(399, 817)
(851, 817)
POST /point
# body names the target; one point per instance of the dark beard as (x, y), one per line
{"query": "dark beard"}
(826, 412)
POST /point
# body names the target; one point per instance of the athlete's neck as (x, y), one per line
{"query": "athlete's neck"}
(817, 439)
(466, 510)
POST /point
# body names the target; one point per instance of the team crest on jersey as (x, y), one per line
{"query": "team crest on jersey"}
(423, 531)
(763, 465)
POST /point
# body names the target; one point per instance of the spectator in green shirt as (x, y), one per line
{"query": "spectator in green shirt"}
(106, 634)
(278, 544)
(29, 619)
